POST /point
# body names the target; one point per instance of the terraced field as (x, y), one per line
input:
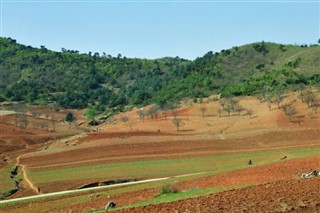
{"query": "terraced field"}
(216, 147)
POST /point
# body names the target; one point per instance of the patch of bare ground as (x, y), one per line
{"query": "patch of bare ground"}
(280, 196)
(135, 140)
(282, 170)
(278, 188)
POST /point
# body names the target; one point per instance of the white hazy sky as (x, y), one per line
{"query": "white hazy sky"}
(153, 29)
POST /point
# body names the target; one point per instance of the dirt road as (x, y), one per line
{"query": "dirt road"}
(25, 177)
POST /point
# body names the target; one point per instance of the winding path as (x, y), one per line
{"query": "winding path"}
(25, 177)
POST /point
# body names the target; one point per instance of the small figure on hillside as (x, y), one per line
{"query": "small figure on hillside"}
(284, 157)
(110, 205)
(250, 162)
(158, 130)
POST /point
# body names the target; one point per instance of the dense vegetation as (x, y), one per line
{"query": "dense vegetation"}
(74, 80)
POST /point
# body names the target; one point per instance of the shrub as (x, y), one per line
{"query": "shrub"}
(167, 189)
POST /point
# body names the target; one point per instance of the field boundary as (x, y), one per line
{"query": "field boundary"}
(93, 188)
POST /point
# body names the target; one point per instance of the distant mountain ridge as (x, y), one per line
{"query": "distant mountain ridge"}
(74, 80)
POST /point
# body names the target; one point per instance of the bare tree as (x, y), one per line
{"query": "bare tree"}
(278, 98)
(233, 102)
(43, 125)
(312, 114)
(238, 108)
(228, 109)
(47, 114)
(290, 112)
(269, 100)
(249, 112)
(124, 119)
(53, 123)
(16, 119)
(230, 105)
(203, 109)
(164, 107)
(223, 103)
(301, 87)
(153, 112)
(35, 113)
(177, 122)
(141, 114)
(309, 98)
(24, 121)
(220, 111)
(260, 98)
(264, 92)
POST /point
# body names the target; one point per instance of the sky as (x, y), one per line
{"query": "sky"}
(158, 28)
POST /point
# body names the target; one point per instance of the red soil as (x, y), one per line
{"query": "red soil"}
(199, 136)
(279, 188)
(279, 196)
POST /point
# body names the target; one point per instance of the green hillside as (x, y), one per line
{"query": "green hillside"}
(74, 80)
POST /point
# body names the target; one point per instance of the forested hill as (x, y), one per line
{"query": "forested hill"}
(74, 80)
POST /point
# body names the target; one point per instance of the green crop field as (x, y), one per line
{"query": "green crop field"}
(213, 165)
(163, 168)
(6, 183)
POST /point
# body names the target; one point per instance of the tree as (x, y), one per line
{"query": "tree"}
(310, 98)
(124, 119)
(238, 108)
(301, 87)
(35, 114)
(220, 111)
(153, 111)
(203, 110)
(53, 123)
(141, 113)
(290, 112)
(177, 122)
(70, 117)
(164, 107)
(249, 112)
(278, 98)
(91, 114)
(47, 114)
(228, 109)
(223, 103)
(260, 98)
(23, 120)
(269, 100)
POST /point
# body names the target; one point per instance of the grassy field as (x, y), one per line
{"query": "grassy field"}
(214, 165)
(170, 197)
(6, 183)
(162, 168)
(46, 204)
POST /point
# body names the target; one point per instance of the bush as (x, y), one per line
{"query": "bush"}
(167, 189)
(70, 117)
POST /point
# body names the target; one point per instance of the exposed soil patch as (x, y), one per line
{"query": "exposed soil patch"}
(283, 170)
(200, 136)
(282, 188)
(280, 196)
